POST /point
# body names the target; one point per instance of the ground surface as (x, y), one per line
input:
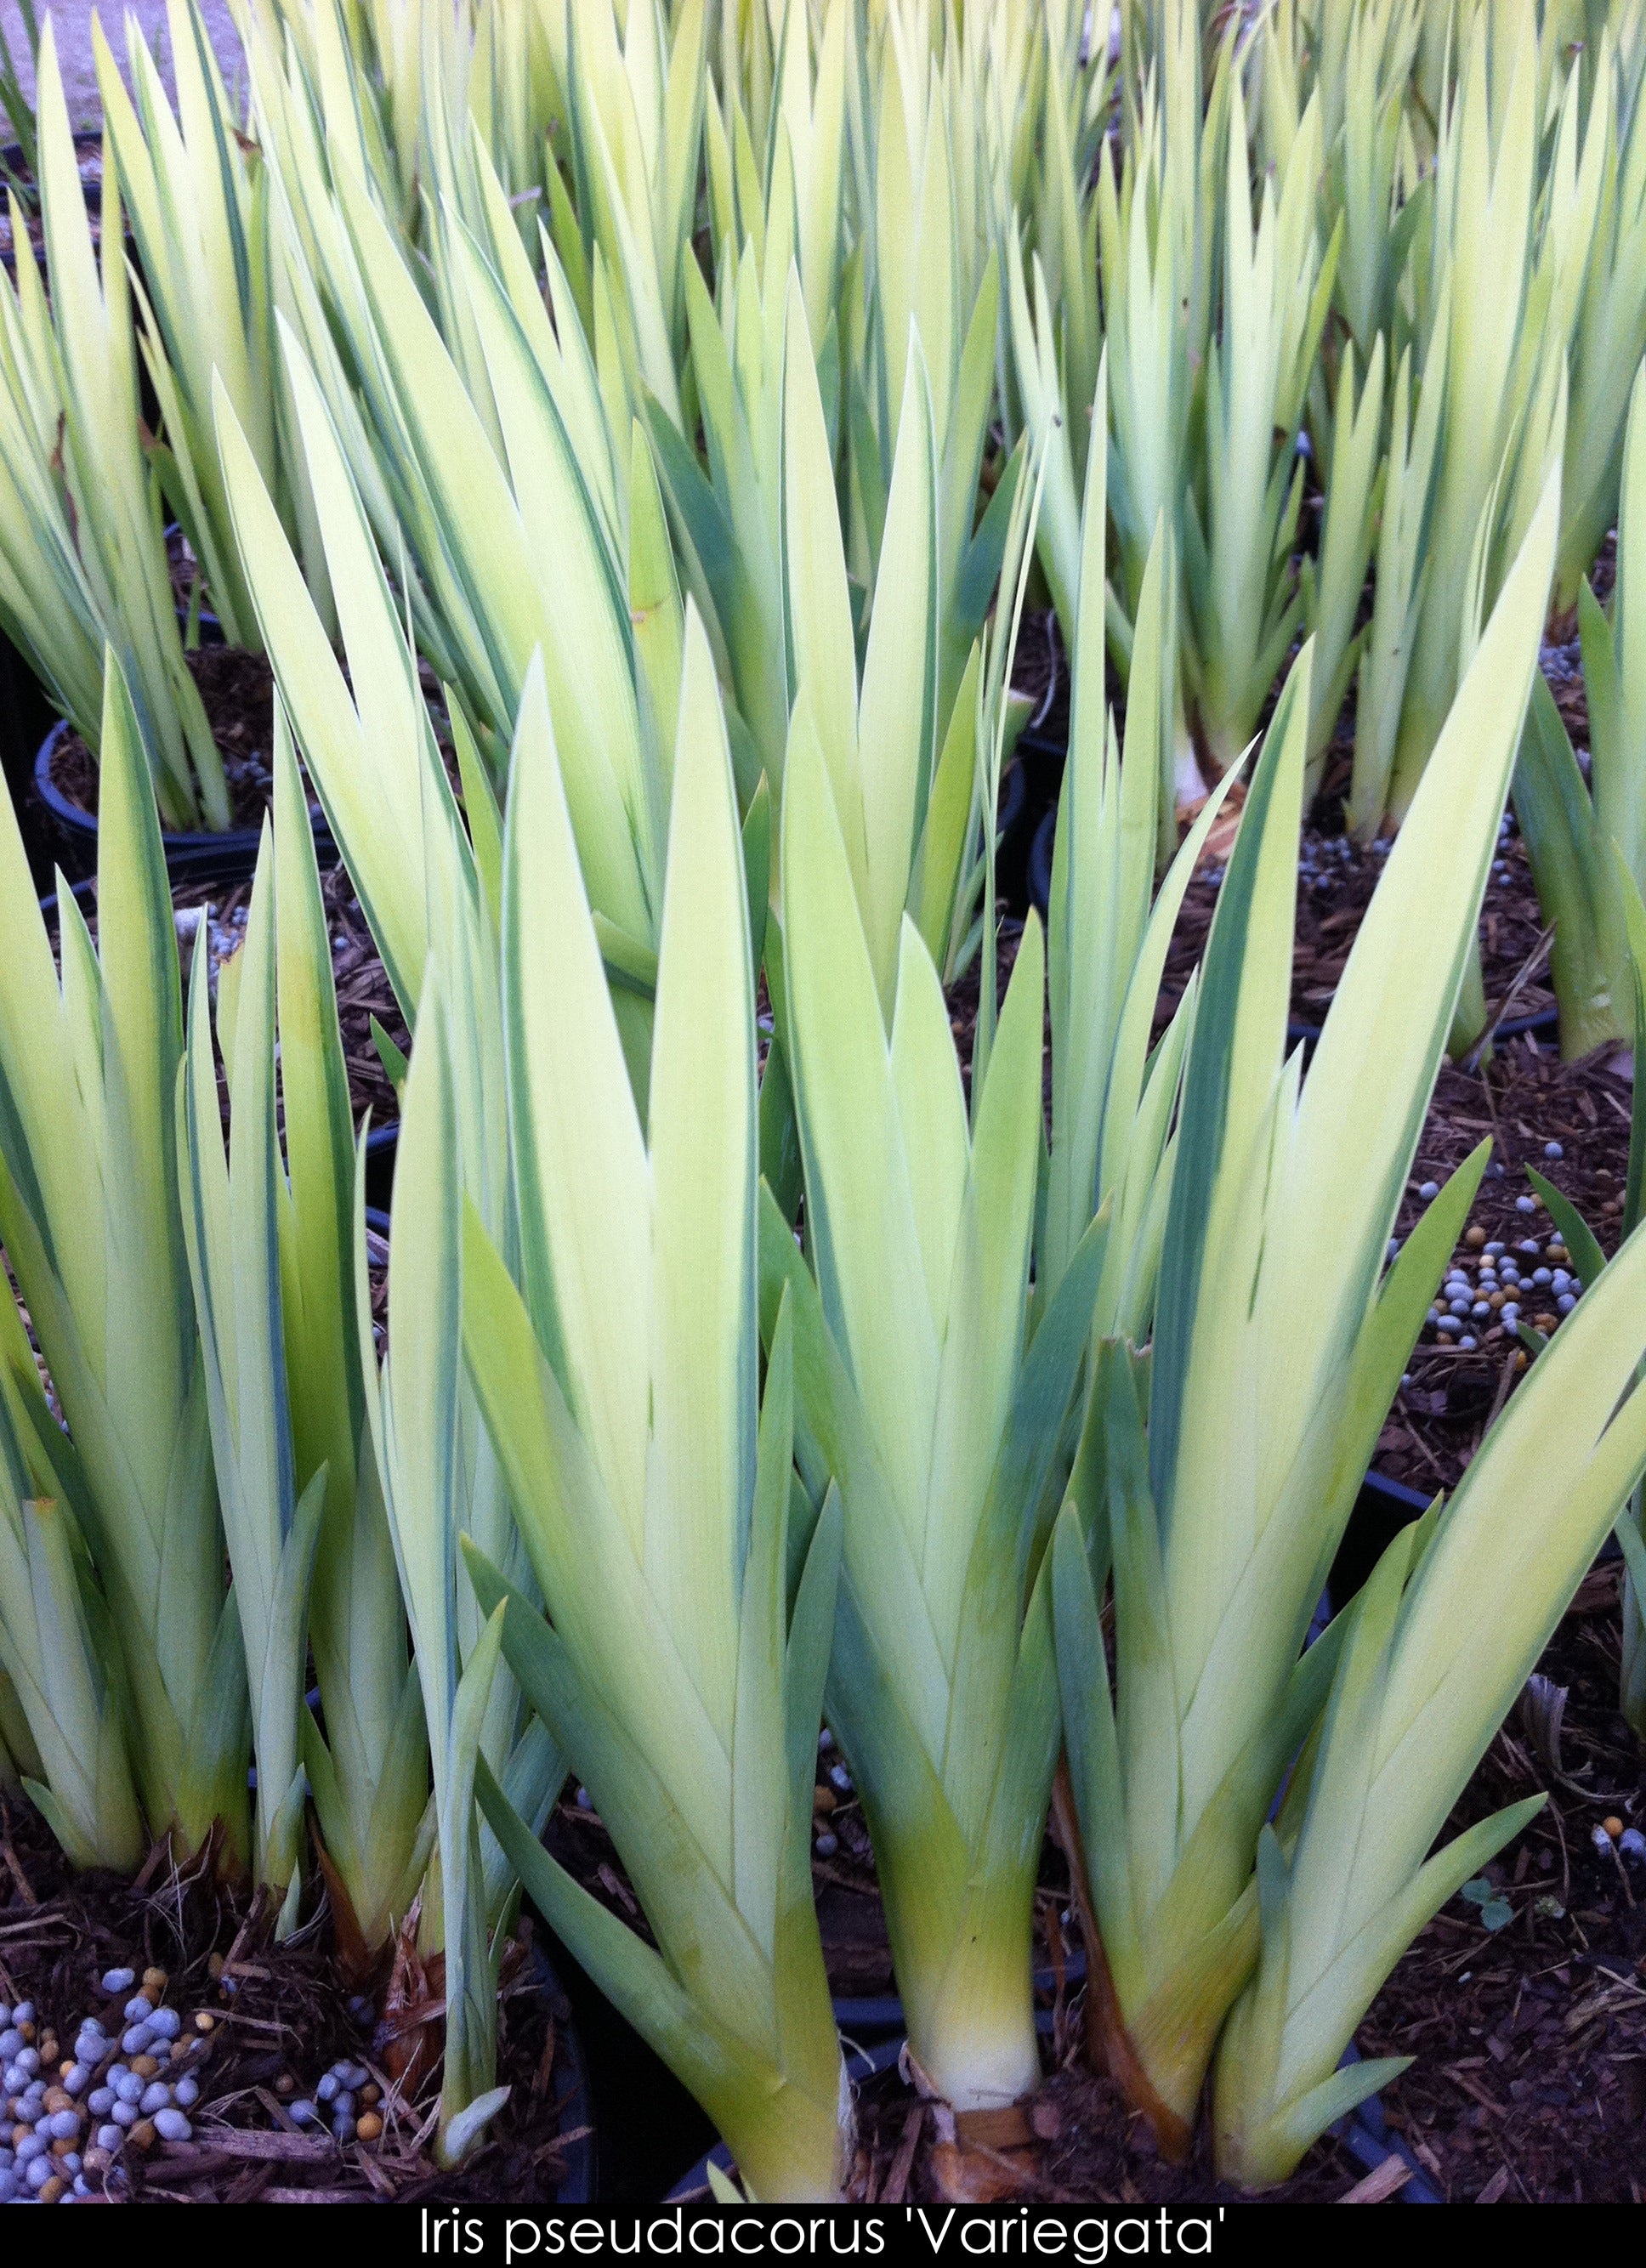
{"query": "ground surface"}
(72, 21)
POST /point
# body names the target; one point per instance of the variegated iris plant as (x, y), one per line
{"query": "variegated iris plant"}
(933, 1394)
(272, 1254)
(690, 1584)
(1217, 1567)
(123, 1542)
(431, 889)
(1584, 837)
(83, 563)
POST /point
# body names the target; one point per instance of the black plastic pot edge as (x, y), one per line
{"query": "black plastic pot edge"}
(231, 855)
(84, 137)
(1410, 1504)
(579, 2183)
(1014, 830)
(222, 864)
(1365, 2134)
(1512, 1027)
(1040, 852)
(1050, 749)
(381, 1145)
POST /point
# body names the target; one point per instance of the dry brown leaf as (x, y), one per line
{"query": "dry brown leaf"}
(972, 2176)
(1007, 2129)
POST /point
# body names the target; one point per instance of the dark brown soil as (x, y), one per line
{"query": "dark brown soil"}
(1530, 2040)
(236, 690)
(1524, 1099)
(964, 999)
(363, 991)
(1075, 2144)
(279, 2015)
(90, 150)
(1335, 884)
(1530, 2080)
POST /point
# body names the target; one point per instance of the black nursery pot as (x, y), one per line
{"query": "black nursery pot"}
(24, 715)
(1364, 2133)
(87, 139)
(1382, 1509)
(1042, 755)
(1040, 852)
(380, 1146)
(1013, 830)
(575, 2121)
(205, 855)
(1545, 1020)
(646, 2125)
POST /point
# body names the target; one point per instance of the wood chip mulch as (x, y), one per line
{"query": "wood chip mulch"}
(1530, 2081)
(1524, 1098)
(1334, 888)
(364, 991)
(280, 2015)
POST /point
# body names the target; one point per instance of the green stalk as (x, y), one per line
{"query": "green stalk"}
(1401, 583)
(1240, 522)
(938, 1426)
(1583, 837)
(63, 1729)
(1332, 595)
(1610, 334)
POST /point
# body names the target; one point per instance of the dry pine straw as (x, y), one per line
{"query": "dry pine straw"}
(280, 2016)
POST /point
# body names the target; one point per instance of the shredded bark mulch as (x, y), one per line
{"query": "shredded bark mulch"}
(364, 991)
(89, 150)
(1528, 2038)
(277, 2016)
(236, 690)
(1530, 2081)
(1335, 882)
(1524, 1099)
